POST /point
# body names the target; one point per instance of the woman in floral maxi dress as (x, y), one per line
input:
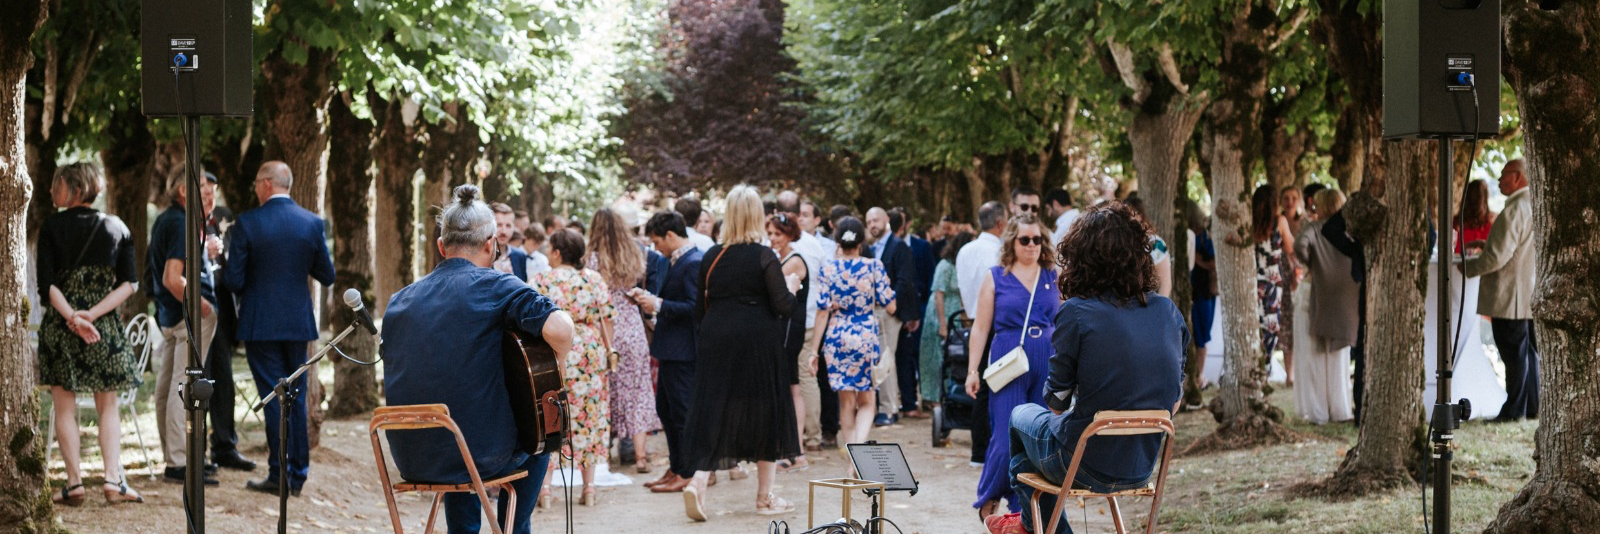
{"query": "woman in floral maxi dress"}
(618, 259)
(584, 296)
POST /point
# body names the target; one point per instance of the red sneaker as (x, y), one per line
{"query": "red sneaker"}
(1005, 524)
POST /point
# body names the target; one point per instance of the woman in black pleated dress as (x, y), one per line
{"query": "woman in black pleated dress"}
(742, 409)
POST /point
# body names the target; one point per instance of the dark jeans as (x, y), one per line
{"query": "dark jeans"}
(1035, 448)
(980, 408)
(1358, 354)
(830, 403)
(674, 392)
(907, 361)
(269, 362)
(1518, 349)
(219, 368)
(463, 513)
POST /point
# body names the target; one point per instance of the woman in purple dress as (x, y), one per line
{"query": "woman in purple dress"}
(615, 255)
(1018, 303)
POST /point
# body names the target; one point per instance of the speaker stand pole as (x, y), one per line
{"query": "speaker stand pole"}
(197, 389)
(1446, 416)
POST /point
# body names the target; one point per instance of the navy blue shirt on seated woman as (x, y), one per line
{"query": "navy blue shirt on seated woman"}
(441, 338)
(1111, 357)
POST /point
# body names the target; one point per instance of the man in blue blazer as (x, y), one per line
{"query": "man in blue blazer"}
(908, 358)
(505, 224)
(272, 250)
(674, 341)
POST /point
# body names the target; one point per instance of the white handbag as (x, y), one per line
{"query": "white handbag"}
(1014, 363)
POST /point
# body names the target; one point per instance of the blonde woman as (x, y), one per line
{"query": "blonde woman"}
(742, 409)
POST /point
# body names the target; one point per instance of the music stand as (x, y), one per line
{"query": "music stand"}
(885, 463)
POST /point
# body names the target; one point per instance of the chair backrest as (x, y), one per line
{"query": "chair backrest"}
(141, 335)
(1129, 423)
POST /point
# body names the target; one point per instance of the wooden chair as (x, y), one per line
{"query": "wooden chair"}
(422, 416)
(1107, 423)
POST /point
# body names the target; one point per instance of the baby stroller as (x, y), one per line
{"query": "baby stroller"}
(954, 409)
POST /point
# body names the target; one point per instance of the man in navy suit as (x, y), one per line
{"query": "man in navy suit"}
(674, 341)
(272, 250)
(897, 262)
(907, 358)
(505, 225)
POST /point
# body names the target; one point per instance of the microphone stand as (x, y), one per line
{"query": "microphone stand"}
(285, 392)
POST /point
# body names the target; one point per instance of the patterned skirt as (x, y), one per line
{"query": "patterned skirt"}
(65, 360)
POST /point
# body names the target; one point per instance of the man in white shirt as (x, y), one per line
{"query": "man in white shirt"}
(1059, 204)
(690, 209)
(972, 265)
(810, 224)
(811, 250)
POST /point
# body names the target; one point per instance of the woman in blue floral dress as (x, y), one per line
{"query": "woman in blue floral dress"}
(850, 287)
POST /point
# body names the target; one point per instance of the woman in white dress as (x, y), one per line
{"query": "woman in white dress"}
(1325, 310)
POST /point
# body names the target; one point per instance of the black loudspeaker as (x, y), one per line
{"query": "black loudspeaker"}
(1436, 55)
(197, 58)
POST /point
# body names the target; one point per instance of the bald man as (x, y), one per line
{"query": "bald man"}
(271, 252)
(1506, 292)
(897, 262)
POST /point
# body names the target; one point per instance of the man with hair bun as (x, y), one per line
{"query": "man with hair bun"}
(443, 334)
(271, 252)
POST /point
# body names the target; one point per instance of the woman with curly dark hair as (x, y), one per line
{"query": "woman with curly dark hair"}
(1118, 346)
(1273, 242)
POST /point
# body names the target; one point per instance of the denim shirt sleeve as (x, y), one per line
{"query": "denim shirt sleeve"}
(1062, 381)
(525, 308)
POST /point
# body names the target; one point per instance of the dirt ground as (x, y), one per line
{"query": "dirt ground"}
(343, 495)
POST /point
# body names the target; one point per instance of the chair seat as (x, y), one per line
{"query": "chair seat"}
(446, 488)
(1039, 483)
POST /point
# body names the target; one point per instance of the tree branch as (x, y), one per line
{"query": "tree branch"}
(1285, 33)
(1169, 67)
(1123, 56)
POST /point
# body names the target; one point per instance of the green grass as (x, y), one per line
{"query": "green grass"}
(1245, 491)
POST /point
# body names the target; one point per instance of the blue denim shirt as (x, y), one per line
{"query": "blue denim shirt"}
(1115, 358)
(441, 338)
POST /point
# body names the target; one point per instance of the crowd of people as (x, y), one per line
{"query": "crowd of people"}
(753, 338)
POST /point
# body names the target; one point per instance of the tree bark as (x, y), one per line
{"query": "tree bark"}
(1557, 104)
(976, 194)
(355, 386)
(297, 133)
(1350, 31)
(24, 504)
(1393, 231)
(1158, 141)
(1283, 150)
(397, 151)
(451, 146)
(1246, 417)
(129, 159)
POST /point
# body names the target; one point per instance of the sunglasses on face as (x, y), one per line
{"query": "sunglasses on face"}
(1029, 241)
(1029, 208)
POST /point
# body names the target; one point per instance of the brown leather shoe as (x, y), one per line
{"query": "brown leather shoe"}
(675, 486)
(667, 478)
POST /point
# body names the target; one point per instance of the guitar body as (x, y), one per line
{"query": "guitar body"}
(533, 378)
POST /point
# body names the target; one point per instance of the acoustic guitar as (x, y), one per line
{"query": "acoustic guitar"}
(533, 378)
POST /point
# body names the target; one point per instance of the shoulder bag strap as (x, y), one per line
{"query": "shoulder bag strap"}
(100, 220)
(705, 288)
(1028, 315)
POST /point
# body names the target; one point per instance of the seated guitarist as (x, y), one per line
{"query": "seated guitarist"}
(442, 339)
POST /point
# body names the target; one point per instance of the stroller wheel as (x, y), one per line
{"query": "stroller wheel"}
(940, 433)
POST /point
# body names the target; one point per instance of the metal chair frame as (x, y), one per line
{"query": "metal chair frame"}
(1107, 423)
(423, 416)
(140, 332)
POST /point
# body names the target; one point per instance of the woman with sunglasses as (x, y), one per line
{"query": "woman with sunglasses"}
(1018, 303)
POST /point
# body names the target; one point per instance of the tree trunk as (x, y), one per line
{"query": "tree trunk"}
(297, 133)
(1158, 141)
(235, 161)
(24, 504)
(129, 158)
(1350, 31)
(1283, 150)
(397, 151)
(1246, 418)
(1393, 231)
(1557, 104)
(355, 386)
(450, 149)
(976, 194)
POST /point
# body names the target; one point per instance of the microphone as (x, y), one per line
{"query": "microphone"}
(352, 298)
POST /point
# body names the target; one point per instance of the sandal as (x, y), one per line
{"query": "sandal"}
(773, 506)
(738, 473)
(68, 498)
(587, 498)
(643, 465)
(122, 494)
(798, 464)
(989, 508)
(693, 506)
(546, 497)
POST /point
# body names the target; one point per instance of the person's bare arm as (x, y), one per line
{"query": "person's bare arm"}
(557, 332)
(172, 279)
(938, 311)
(979, 339)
